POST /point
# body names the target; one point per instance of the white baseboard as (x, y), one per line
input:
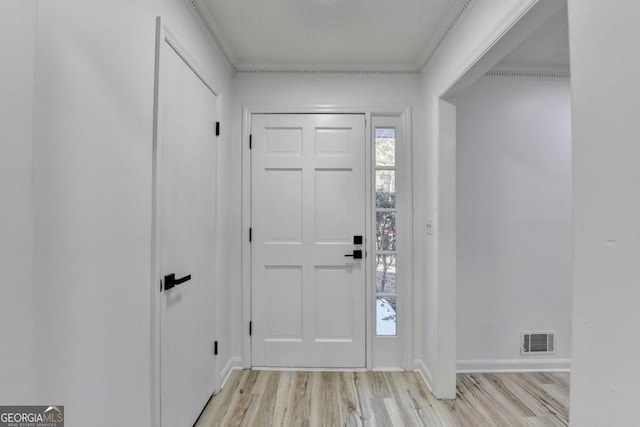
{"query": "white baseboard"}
(513, 365)
(285, 369)
(388, 369)
(233, 364)
(420, 367)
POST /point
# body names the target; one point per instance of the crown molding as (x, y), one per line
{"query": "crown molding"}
(208, 24)
(452, 22)
(328, 69)
(543, 75)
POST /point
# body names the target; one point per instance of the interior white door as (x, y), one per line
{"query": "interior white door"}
(308, 203)
(186, 179)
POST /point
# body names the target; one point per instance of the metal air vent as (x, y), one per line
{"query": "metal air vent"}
(537, 343)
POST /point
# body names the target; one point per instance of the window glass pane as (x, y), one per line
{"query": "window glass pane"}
(385, 147)
(386, 189)
(386, 317)
(385, 132)
(386, 231)
(386, 274)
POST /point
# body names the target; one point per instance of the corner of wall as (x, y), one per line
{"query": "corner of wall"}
(421, 368)
(233, 364)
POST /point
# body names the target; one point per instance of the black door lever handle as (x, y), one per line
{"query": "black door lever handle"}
(170, 280)
(357, 254)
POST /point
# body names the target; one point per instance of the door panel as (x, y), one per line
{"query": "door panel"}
(308, 201)
(186, 181)
(332, 206)
(283, 286)
(284, 207)
(332, 287)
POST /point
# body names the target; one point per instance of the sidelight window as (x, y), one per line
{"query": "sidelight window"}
(385, 224)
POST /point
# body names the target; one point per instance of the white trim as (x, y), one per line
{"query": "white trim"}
(513, 365)
(541, 75)
(369, 241)
(245, 246)
(220, 247)
(399, 70)
(449, 25)
(421, 368)
(233, 364)
(284, 369)
(521, 21)
(387, 369)
(406, 157)
(207, 23)
(514, 16)
(155, 239)
(164, 36)
(179, 48)
(402, 343)
(390, 110)
(403, 111)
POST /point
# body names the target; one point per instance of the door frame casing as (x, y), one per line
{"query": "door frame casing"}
(404, 113)
(400, 345)
(164, 35)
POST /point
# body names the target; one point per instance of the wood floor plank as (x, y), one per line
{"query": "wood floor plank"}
(553, 406)
(501, 407)
(520, 389)
(365, 398)
(558, 392)
(301, 411)
(406, 406)
(371, 399)
(266, 392)
(285, 396)
(422, 401)
(469, 403)
(499, 389)
(241, 402)
(350, 396)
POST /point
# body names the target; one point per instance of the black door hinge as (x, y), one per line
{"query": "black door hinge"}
(215, 348)
(250, 141)
(217, 128)
(250, 328)
(250, 234)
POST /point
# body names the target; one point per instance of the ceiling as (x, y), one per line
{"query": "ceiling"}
(378, 35)
(547, 49)
(367, 34)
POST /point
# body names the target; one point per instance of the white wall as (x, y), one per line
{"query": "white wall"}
(514, 256)
(92, 200)
(487, 32)
(309, 90)
(605, 64)
(17, 50)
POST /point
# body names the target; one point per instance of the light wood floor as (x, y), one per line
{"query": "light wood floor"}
(266, 398)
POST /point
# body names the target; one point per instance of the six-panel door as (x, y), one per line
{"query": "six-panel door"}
(308, 202)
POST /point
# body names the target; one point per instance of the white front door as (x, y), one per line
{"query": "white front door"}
(186, 161)
(308, 203)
